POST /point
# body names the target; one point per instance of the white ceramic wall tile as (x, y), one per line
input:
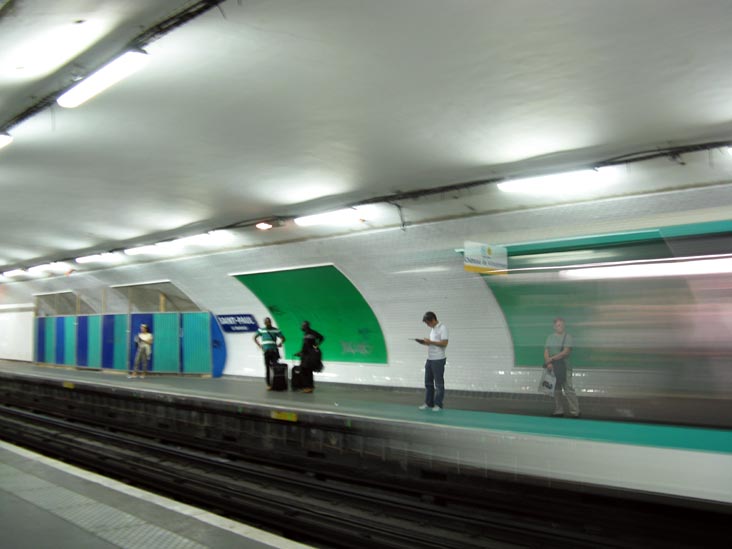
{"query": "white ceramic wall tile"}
(402, 274)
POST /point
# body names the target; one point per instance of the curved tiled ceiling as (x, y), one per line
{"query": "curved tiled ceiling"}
(277, 109)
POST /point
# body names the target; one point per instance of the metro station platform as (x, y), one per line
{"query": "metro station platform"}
(47, 503)
(393, 403)
(368, 428)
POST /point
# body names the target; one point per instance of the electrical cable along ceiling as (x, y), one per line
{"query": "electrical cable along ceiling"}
(397, 112)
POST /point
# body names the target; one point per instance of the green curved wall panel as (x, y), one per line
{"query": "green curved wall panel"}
(334, 307)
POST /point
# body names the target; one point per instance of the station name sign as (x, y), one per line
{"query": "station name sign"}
(238, 323)
(485, 258)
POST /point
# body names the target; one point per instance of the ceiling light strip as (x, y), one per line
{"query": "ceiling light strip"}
(119, 69)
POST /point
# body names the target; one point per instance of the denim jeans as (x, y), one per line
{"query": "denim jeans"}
(569, 396)
(434, 382)
(142, 357)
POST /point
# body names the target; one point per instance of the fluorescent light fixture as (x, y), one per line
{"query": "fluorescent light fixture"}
(60, 267)
(141, 250)
(650, 270)
(434, 269)
(195, 240)
(581, 180)
(14, 273)
(40, 53)
(211, 238)
(168, 248)
(161, 248)
(39, 269)
(110, 74)
(348, 216)
(172, 247)
(5, 140)
(221, 237)
(263, 226)
(109, 257)
(57, 267)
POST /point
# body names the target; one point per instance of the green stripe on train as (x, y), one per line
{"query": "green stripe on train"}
(619, 239)
(637, 434)
(611, 432)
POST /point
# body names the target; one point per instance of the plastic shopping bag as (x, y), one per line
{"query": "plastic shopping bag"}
(548, 382)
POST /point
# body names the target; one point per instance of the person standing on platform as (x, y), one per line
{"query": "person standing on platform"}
(556, 358)
(434, 368)
(144, 341)
(269, 344)
(310, 357)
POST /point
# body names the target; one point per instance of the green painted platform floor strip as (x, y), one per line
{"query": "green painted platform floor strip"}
(638, 434)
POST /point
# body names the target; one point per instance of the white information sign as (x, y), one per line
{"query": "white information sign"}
(485, 258)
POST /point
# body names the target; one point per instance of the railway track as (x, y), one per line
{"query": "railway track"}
(334, 511)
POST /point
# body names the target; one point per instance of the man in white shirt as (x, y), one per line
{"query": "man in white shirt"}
(434, 368)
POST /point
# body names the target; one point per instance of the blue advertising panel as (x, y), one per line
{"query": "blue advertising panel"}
(218, 349)
(139, 319)
(82, 341)
(108, 341)
(41, 340)
(60, 339)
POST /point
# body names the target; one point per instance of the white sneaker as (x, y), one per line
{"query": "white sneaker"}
(437, 409)
(423, 407)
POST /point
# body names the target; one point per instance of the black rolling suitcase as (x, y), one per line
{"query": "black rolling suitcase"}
(279, 377)
(297, 382)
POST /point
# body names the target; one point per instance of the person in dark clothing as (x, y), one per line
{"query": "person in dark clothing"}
(310, 357)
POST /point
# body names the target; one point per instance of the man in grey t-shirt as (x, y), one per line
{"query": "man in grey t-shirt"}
(556, 358)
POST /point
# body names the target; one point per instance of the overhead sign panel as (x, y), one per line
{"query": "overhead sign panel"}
(485, 258)
(238, 323)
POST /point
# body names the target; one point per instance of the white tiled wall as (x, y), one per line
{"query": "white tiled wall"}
(16, 341)
(402, 274)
